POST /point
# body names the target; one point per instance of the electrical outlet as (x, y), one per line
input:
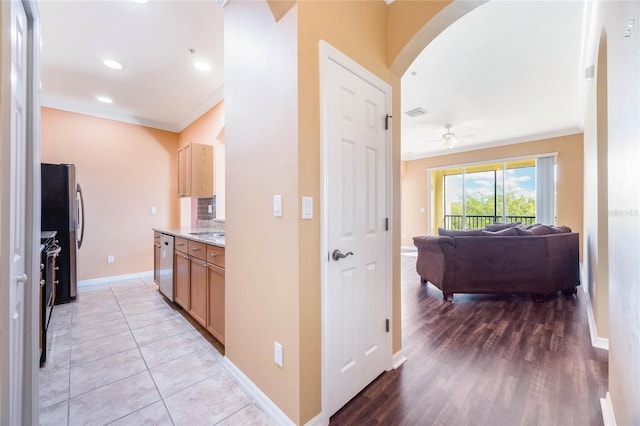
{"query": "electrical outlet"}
(277, 353)
(209, 208)
(154, 210)
(110, 259)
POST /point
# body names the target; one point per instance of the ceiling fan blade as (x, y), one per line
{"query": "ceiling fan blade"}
(433, 140)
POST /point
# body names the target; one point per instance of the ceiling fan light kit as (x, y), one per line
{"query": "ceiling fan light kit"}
(449, 138)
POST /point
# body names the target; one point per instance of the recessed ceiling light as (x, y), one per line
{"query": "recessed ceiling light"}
(104, 99)
(113, 64)
(202, 66)
(141, 1)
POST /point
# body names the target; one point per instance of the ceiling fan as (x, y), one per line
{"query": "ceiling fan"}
(449, 139)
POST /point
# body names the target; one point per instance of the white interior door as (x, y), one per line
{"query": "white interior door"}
(14, 247)
(357, 284)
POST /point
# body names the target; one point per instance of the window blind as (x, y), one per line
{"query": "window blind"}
(545, 190)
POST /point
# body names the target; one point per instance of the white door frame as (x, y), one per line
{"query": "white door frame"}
(31, 405)
(329, 53)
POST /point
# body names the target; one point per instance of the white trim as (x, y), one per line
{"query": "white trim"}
(607, 411)
(412, 248)
(215, 98)
(83, 108)
(398, 359)
(596, 341)
(316, 421)
(467, 148)
(329, 53)
(113, 278)
(258, 397)
(94, 111)
(493, 161)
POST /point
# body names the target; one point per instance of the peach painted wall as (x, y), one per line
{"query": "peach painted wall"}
(284, 253)
(359, 30)
(124, 170)
(205, 130)
(262, 254)
(569, 193)
(622, 134)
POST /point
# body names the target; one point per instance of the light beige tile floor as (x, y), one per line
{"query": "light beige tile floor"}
(121, 354)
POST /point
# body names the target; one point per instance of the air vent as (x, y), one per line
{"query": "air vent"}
(416, 112)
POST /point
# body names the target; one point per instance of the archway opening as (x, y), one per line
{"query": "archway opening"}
(600, 292)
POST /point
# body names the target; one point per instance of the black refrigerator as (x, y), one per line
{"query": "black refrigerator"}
(63, 211)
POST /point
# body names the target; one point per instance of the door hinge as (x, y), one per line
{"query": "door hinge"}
(386, 223)
(387, 324)
(386, 121)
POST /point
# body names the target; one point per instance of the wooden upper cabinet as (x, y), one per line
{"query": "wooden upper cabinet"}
(195, 170)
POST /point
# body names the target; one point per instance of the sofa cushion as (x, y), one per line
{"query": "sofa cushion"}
(559, 229)
(459, 233)
(540, 230)
(502, 233)
(499, 226)
(523, 231)
(528, 227)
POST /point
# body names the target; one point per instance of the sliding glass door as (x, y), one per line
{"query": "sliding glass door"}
(474, 196)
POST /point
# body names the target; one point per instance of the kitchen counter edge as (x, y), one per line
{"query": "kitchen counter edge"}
(188, 234)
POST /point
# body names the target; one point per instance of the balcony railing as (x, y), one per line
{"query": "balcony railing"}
(452, 221)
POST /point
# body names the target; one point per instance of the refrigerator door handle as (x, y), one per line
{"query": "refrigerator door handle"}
(80, 213)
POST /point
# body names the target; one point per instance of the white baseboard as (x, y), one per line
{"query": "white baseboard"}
(398, 359)
(259, 397)
(596, 341)
(607, 411)
(317, 421)
(113, 278)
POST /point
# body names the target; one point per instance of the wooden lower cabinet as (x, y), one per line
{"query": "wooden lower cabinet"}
(215, 314)
(199, 283)
(182, 276)
(198, 307)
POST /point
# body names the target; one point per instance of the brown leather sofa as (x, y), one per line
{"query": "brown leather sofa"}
(488, 262)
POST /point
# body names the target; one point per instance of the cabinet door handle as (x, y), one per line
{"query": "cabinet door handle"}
(186, 257)
(214, 254)
(195, 249)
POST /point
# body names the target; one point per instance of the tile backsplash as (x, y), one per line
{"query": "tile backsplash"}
(204, 218)
(203, 208)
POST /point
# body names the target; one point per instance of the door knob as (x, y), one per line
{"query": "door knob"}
(22, 278)
(336, 255)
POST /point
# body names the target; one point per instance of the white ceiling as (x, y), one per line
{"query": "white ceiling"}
(158, 86)
(508, 71)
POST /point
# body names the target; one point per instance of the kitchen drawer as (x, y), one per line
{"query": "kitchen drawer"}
(182, 244)
(215, 255)
(198, 250)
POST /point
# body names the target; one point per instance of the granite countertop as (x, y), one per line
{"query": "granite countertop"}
(203, 235)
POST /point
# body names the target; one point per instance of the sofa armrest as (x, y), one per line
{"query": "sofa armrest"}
(436, 259)
(432, 242)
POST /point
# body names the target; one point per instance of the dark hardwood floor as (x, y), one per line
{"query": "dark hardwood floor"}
(486, 360)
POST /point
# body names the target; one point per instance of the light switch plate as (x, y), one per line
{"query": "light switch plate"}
(277, 354)
(277, 205)
(307, 207)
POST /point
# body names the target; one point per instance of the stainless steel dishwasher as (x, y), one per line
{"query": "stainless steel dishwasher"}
(166, 266)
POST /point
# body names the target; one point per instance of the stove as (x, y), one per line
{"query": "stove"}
(49, 253)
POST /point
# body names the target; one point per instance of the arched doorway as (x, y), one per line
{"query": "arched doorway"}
(600, 292)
